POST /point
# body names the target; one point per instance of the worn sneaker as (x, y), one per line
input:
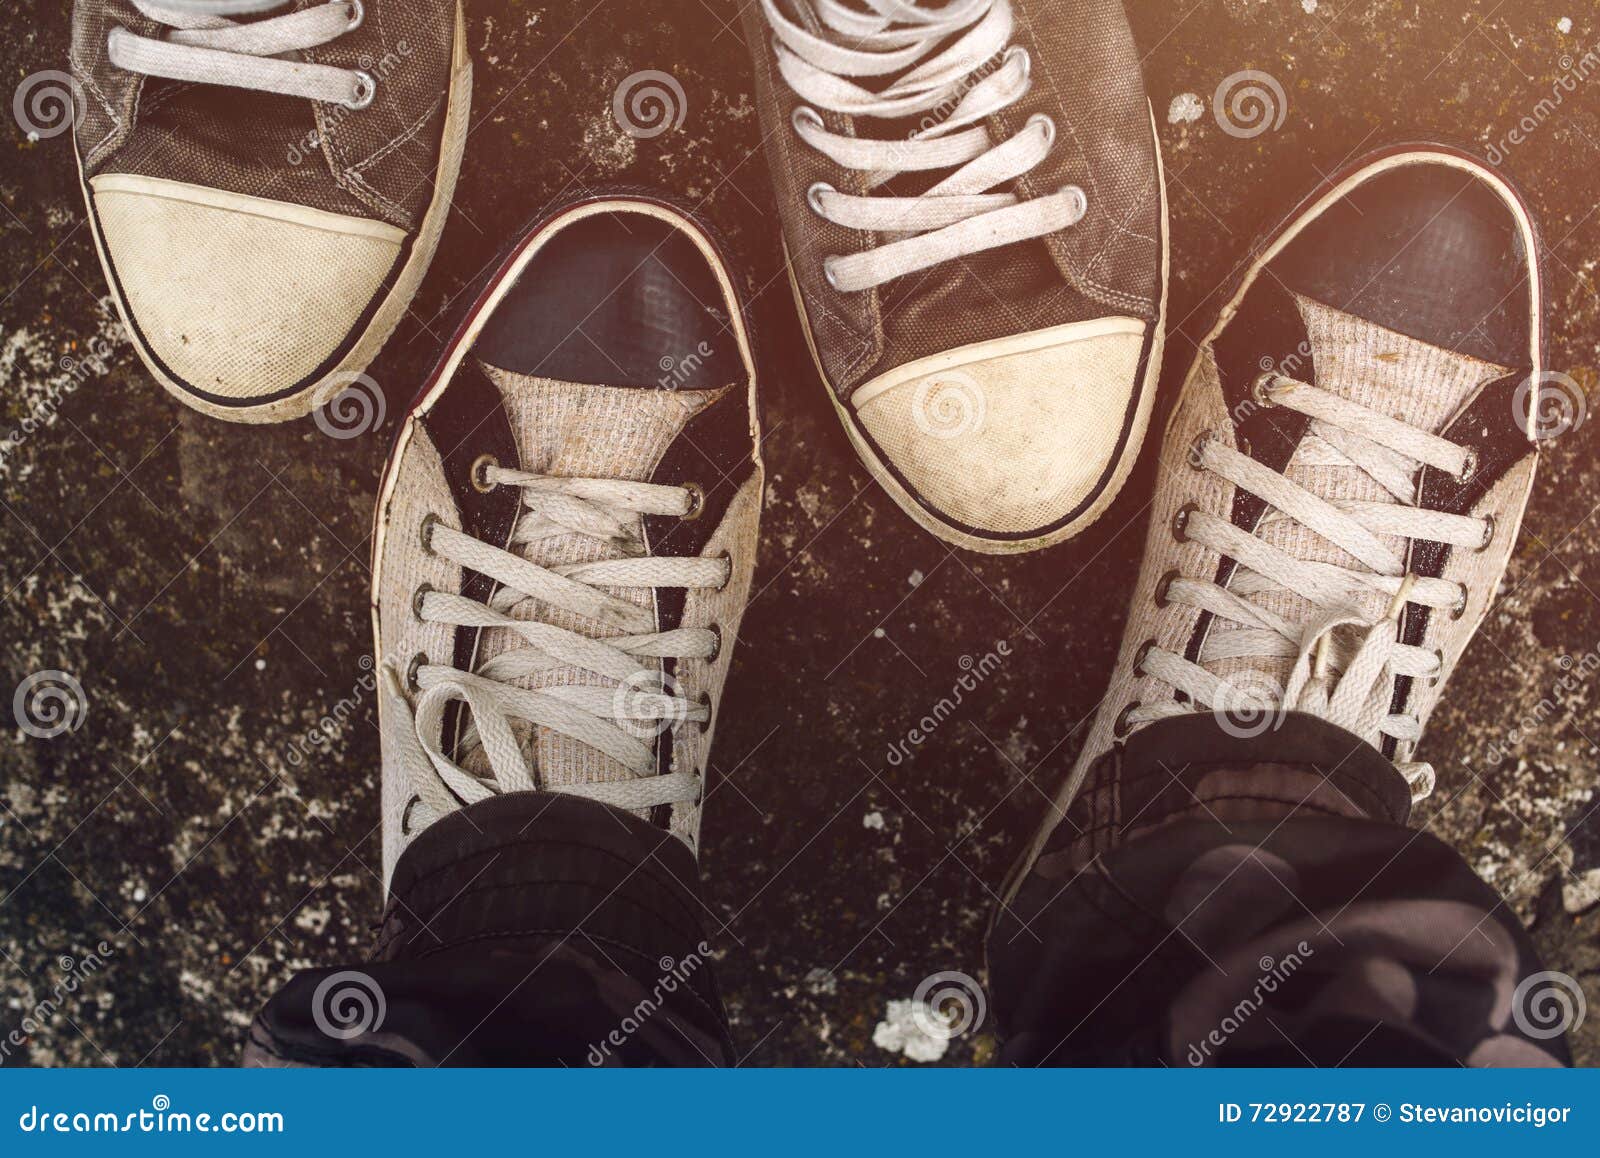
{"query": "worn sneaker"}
(1345, 475)
(972, 205)
(267, 182)
(567, 530)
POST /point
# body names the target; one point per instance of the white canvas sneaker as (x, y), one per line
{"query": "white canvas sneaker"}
(1344, 478)
(566, 534)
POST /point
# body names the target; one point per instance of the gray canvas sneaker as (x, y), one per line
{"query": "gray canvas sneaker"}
(972, 204)
(267, 181)
(1342, 482)
(566, 533)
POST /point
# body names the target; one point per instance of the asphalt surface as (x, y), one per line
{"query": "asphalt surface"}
(206, 584)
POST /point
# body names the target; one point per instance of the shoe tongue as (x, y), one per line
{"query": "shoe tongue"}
(1386, 372)
(571, 430)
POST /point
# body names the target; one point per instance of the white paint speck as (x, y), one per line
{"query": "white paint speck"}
(904, 1029)
(1309, 6)
(1186, 108)
(1564, 25)
(916, 578)
(261, 665)
(878, 633)
(872, 820)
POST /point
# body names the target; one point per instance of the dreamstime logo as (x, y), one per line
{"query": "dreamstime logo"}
(1250, 103)
(649, 103)
(50, 703)
(48, 104)
(1548, 1004)
(348, 1004)
(949, 405)
(354, 404)
(949, 1004)
(1549, 404)
(649, 702)
(1251, 705)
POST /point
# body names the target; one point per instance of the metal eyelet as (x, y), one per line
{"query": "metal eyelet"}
(1435, 680)
(366, 91)
(481, 466)
(1080, 200)
(405, 817)
(705, 702)
(358, 14)
(805, 114)
(814, 196)
(1261, 389)
(1145, 649)
(1049, 128)
(697, 502)
(1460, 609)
(1164, 589)
(716, 651)
(1488, 536)
(413, 668)
(416, 600)
(830, 276)
(1180, 521)
(728, 557)
(1468, 468)
(1122, 727)
(425, 534)
(1197, 449)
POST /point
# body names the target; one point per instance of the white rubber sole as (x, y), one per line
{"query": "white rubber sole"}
(461, 343)
(1294, 225)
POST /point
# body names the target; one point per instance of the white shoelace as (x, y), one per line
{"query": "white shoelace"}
(634, 695)
(960, 215)
(1348, 680)
(205, 46)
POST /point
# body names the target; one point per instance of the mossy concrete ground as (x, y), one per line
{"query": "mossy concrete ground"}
(206, 583)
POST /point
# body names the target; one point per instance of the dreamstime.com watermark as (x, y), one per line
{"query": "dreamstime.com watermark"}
(347, 1004)
(1250, 103)
(49, 103)
(1274, 975)
(49, 704)
(649, 103)
(974, 672)
(72, 973)
(1576, 72)
(332, 725)
(331, 116)
(1250, 705)
(1576, 671)
(674, 976)
(349, 406)
(949, 404)
(160, 1118)
(1549, 1004)
(72, 372)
